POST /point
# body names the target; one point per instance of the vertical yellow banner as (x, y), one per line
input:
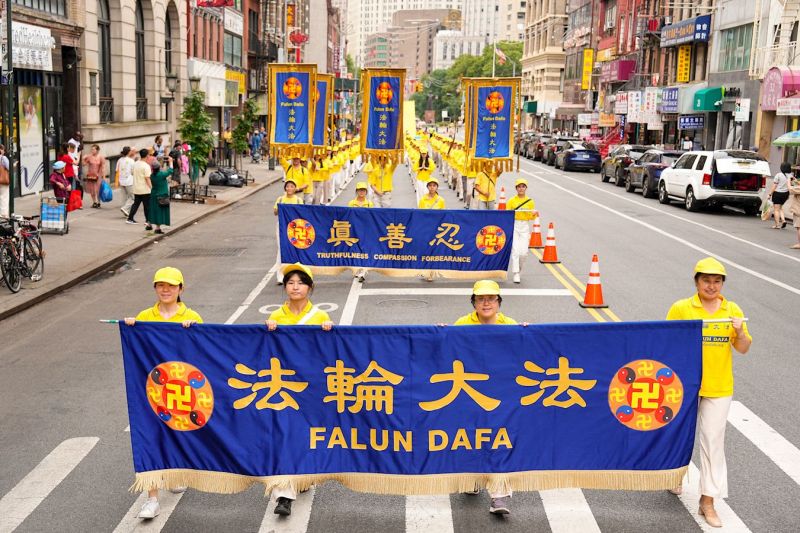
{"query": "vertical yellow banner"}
(684, 63)
(588, 66)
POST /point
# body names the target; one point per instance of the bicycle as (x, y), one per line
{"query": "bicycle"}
(21, 252)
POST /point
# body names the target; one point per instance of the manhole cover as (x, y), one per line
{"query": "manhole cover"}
(403, 303)
(207, 252)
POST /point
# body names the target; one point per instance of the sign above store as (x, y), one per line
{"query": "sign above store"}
(691, 122)
(788, 107)
(32, 47)
(669, 100)
(234, 22)
(697, 29)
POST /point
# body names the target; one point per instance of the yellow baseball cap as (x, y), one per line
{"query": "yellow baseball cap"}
(288, 269)
(709, 265)
(485, 287)
(361, 185)
(169, 275)
(432, 180)
(521, 181)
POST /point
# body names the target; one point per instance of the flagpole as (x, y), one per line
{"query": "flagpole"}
(494, 58)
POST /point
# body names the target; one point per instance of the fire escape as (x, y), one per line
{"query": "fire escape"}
(780, 47)
(263, 47)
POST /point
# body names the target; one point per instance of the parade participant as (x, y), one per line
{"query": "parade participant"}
(486, 302)
(320, 173)
(168, 284)
(471, 175)
(380, 179)
(361, 200)
(290, 197)
(301, 176)
(297, 310)
(355, 158)
(431, 200)
(524, 212)
(425, 168)
(726, 328)
(485, 186)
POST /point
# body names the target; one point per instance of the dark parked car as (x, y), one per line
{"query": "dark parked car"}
(646, 171)
(619, 159)
(538, 146)
(576, 155)
(556, 145)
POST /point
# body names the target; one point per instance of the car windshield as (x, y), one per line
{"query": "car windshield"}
(669, 159)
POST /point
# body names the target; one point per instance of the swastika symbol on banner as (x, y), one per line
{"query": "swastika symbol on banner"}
(645, 395)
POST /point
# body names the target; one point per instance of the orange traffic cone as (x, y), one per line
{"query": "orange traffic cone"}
(501, 204)
(550, 254)
(594, 289)
(536, 236)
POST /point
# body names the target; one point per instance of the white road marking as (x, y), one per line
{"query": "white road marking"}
(128, 429)
(297, 523)
(774, 445)
(168, 502)
(461, 291)
(691, 498)
(25, 497)
(349, 311)
(253, 295)
(641, 203)
(429, 513)
(568, 512)
(691, 245)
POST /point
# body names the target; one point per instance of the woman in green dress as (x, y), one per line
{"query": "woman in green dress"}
(159, 196)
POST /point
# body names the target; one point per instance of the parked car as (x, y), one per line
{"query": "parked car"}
(556, 145)
(538, 146)
(721, 177)
(576, 155)
(520, 140)
(646, 171)
(619, 159)
(525, 146)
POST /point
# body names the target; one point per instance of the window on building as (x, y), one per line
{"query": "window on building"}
(54, 7)
(734, 50)
(252, 30)
(167, 43)
(139, 51)
(233, 50)
(104, 47)
(611, 15)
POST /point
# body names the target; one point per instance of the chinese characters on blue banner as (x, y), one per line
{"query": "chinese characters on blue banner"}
(494, 122)
(458, 244)
(382, 113)
(608, 405)
(292, 98)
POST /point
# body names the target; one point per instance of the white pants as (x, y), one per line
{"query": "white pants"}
(284, 492)
(470, 199)
(712, 418)
(319, 192)
(421, 190)
(522, 235)
(4, 196)
(308, 198)
(127, 194)
(384, 200)
(330, 187)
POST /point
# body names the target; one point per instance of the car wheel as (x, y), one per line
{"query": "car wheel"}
(603, 176)
(629, 186)
(663, 197)
(619, 177)
(564, 167)
(691, 202)
(646, 192)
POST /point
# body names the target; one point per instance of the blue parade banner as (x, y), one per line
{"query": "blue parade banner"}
(456, 244)
(382, 113)
(413, 409)
(292, 98)
(494, 122)
(324, 91)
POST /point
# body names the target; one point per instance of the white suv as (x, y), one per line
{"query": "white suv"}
(721, 177)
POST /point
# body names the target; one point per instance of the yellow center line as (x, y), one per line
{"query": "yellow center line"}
(593, 312)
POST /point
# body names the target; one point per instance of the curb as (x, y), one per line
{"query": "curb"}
(108, 261)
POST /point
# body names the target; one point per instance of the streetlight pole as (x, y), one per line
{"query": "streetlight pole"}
(8, 123)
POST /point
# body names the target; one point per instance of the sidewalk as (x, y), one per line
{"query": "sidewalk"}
(99, 238)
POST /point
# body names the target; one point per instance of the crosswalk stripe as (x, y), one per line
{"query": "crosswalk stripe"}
(691, 500)
(568, 512)
(429, 513)
(458, 291)
(168, 502)
(296, 523)
(26, 496)
(770, 442)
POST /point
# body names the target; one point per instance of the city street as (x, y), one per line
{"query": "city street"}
(65, 458)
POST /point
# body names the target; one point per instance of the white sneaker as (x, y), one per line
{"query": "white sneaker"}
(150, 509)
(178, 490)
(517, 278)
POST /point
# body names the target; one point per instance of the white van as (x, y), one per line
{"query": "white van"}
(721, 177)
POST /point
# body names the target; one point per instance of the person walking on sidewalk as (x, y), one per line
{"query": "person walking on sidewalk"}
(95, 165)
(523, 208)
(141, 188)
(5, 181)
(159, 195)
(168, 284)
(125, 175)
(779, 193)
(725, 331)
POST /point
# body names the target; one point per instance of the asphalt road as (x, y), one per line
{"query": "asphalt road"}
(63, 414)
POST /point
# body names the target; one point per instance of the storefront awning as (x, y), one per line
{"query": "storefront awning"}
(779, 82)
(530, 107)
(708, 99)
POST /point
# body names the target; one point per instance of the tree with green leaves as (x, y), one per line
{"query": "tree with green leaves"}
(246, 121)
(195, 130)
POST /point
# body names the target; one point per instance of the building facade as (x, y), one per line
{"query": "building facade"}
(511, 20)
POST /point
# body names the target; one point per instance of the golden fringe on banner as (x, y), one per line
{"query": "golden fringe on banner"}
(226, 483)
(411, 272)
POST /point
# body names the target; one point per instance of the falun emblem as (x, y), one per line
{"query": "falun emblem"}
(180, 395)
(490, 240)
(292, 88)
(645, 395)
(495, 102)
(384, 92)
(301, 233)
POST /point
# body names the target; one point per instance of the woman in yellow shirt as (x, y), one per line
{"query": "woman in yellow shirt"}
(168, 284)
(361, 200)
(290, 197)
(724, 330)
(319, 174)
(296, 311)
(432, 200)
(524, 212)
(425, 168)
